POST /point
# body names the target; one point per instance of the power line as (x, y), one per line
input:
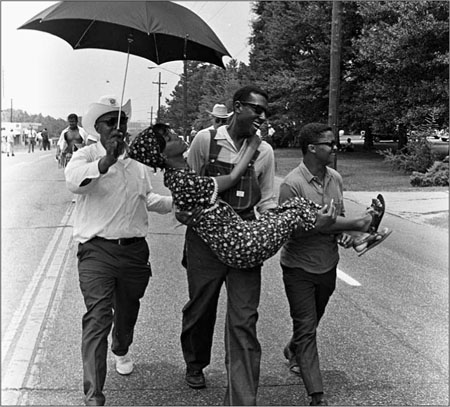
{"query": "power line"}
(212, 18)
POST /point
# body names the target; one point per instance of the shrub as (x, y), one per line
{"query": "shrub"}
(437, 175)
(415, 156)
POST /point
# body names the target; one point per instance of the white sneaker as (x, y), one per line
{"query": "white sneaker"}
(124, 364)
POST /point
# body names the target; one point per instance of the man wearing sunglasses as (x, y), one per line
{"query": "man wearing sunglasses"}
(212, 153)
(309, 260)
(111, 223)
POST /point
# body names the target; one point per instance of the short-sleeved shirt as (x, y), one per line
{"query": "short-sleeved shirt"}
(264, 165)
(312, 251)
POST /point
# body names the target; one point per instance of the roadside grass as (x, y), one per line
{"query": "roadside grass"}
(360, 170)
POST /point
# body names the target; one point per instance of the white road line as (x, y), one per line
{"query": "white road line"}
(347, 279)
(22, 334)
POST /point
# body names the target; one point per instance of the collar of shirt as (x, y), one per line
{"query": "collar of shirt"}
(310, 177)
(222, 134)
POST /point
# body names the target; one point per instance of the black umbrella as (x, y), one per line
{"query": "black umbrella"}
(160, 31)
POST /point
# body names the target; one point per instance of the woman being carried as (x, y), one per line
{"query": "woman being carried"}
(236, 242)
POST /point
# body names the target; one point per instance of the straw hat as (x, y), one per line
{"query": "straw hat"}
(220, 111)
(106, 104)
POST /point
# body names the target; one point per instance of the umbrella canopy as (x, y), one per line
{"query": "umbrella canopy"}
(160, 31)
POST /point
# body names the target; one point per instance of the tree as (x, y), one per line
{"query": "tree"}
(400, 73)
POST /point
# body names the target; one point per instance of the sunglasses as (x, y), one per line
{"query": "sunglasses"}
(330, 144)
(258, 109)
(112, 121)
(221, 121)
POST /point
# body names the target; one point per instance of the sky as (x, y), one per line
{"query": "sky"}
(41, 73)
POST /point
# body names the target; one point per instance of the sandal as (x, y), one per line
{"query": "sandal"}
(372, 240)
(377, 209)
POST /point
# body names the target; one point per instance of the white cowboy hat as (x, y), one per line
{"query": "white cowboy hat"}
(106, 104)
(220, 111)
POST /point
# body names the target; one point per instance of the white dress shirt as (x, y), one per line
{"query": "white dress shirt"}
(112, 205)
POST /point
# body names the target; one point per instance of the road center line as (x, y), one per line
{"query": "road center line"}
(347, 279)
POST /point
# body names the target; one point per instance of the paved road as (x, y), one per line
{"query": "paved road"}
(383, 341)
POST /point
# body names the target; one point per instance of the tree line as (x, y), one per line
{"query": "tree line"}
(394, 68)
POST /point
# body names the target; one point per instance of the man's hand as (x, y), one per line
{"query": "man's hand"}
(326, 217)
(254, 142)
(115, 146)
(345, 240)
(189, 218)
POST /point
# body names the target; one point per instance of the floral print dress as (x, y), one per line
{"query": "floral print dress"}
(236, 242)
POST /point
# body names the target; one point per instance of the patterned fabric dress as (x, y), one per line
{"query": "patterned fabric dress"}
(237, 243)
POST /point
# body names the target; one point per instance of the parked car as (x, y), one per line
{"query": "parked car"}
(385, 137)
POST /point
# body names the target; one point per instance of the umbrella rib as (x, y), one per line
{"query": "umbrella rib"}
(85, 32)
(156, 48)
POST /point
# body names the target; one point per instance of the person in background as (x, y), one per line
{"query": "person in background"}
(348, 147)
(72, 138)
(110, 225)
(39, 140)
(31, 137)
(219, 116)
(45, 139)
(10, 143)
(192, 134)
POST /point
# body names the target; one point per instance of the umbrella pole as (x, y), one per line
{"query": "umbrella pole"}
(130, 40)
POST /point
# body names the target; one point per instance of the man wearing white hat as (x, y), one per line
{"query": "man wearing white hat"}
(219, 115)
(111, 223)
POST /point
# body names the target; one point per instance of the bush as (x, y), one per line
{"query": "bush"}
(437, 175)
(415, 156)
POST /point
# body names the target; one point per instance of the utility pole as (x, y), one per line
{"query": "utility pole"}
(335, 70)
(159, 83)
(151, 116)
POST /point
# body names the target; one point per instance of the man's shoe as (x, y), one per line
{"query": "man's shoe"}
(124, 364)
(321, 402)
(195, 379)
(317, 399)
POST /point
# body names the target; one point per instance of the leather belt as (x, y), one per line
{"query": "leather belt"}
(125, 241)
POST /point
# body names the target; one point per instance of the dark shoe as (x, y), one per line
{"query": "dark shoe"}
(94, 402)
(318, 400)
(195, 379)
(321, 402)
(292, 362)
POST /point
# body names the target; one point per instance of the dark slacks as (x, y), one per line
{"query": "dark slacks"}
(113, 279)
(308, 295)
(206, 275)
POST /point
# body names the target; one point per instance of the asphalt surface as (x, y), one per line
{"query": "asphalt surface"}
(381, 343)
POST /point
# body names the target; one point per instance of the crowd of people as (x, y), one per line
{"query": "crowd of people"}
(222, 188)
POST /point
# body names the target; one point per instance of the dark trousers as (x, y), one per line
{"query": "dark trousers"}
(308, 295)
(31, 144)
(112, 279)
(206, 275)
